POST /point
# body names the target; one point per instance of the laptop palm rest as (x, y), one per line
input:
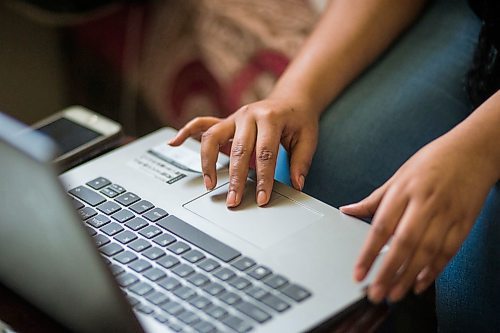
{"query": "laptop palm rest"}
(261, 226)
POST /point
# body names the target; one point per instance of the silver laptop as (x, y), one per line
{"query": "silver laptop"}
(132, 242)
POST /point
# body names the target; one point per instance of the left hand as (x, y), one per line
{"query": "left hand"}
(428, 208)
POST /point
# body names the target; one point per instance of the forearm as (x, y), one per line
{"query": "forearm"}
(350, 35)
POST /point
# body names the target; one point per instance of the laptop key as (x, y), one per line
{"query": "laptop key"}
(295, 292)
(256, 292)
(200, 302)
(155, 214)
(98, 183)
(188, 317)
(214, 288)
(243, 264)
(164, 239)
(144, 309)
(91, 231)
(184, 293)
(198, 279)
(141, 206)
(117, 188)
(125, 237)
(198, 238)
(136, 223)
(183, 270)
(253, 311)
(127, 199)
(86, 213)
(101, 240)
(170, 283)
(112, 229)
(125, 257)
(230, 298)
(224, 274)
(275, 303)
(237, 324)
(259, 272)
(205, 327)
(109, 207)
(140, 265)
(174, 308)
(178, 248)
(109, 192)
(157, 298)
(76, 203)
(154, 274)
(240, 283)
(126, 279)
(193, 256)
(98, 221)
(123, 215)
(111, 249)
(141, 288)
(208, 265)
(168, 261)
(116, 270)
(87, 195)
(276, 281)
(132, 300)
(216, 312)
(150, 231)
(153, 253)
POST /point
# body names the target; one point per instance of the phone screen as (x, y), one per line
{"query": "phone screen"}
(67, 134)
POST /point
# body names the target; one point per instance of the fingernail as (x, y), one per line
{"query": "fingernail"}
(359, 273)
(376, 294)
(208, 182)
(301, 182)
(346, 207)
(231, 199)
(396, 294)
(261, 198)
(419, 288)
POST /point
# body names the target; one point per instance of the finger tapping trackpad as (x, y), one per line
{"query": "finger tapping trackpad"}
(261, 226)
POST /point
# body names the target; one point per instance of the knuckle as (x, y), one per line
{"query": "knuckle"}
(381, 230)
(429, 248)
(239, 150)
(405, 241)
(207, 136)
(265, 155)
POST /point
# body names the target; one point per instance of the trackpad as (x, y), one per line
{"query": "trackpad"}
(261, 226)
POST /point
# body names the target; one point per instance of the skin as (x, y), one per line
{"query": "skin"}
(429, 205)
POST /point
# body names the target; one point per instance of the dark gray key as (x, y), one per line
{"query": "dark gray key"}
(86, 213)
(98, 183)
(295, 292)
(276, 281)
(200, 302)
(193, 256)
(155, 214)
(139, 245)
(125, 237)
(153, 253)
(117, 188)
(141, 288)
(198, 238)
(230, 298)
(87, 195)
(243, 264)
(174, 327)
(157, 298)
(183, 270)
(126, 279)
(208, 265)
(116, 270)
(168, 261)
(169, 283)
(109, 207)
(260, 272)
(240, 283)
(204, 327)
(123, 215)
(112, 228)
(144, 309)
(125, 257)
(132, 300)
(275, 303)
(253, 311)
(172, 308)
(184, 293)
(111, 249)
(77, 204)
(101, 240)
(216, 311)
(237, 324)
(178, 248)
(150, 231)
(91, 231)
(224, 274)
(140, 265)
(188, 317)
(98, 221)
(198, 279)
(256, 292)
(161, 318)
(214, 288)
(109, 192)
(127, 198)
(154, 274)
(136, 223)
(141, 206)
(164, 239)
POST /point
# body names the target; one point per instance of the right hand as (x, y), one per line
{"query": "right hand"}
(256, 128)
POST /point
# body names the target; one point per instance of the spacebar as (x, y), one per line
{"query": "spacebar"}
(198, 238)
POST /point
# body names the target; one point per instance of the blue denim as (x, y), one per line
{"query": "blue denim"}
(413, 94)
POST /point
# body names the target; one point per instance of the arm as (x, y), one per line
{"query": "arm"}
(349, 36)
(430, 205)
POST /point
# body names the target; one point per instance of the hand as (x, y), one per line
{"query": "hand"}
(256, 129)
(428, 207)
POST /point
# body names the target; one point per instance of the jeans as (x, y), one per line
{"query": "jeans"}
(413, 94)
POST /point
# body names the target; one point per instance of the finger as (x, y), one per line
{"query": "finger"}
(241, 153)
(384, 223)
(266, 152)
(429, 245)
(366, 207)
(301, 154)
(452, 243)
(211, 140)
(193, 128)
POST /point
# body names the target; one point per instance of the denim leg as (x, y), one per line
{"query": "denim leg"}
(412, 95)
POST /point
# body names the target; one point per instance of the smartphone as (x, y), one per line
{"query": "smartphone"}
(80, 134)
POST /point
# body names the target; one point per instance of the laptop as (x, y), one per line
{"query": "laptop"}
(133, 242)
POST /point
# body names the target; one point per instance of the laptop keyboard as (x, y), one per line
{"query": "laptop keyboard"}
(176, 273)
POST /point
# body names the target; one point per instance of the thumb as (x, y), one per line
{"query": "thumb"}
(366, 207)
